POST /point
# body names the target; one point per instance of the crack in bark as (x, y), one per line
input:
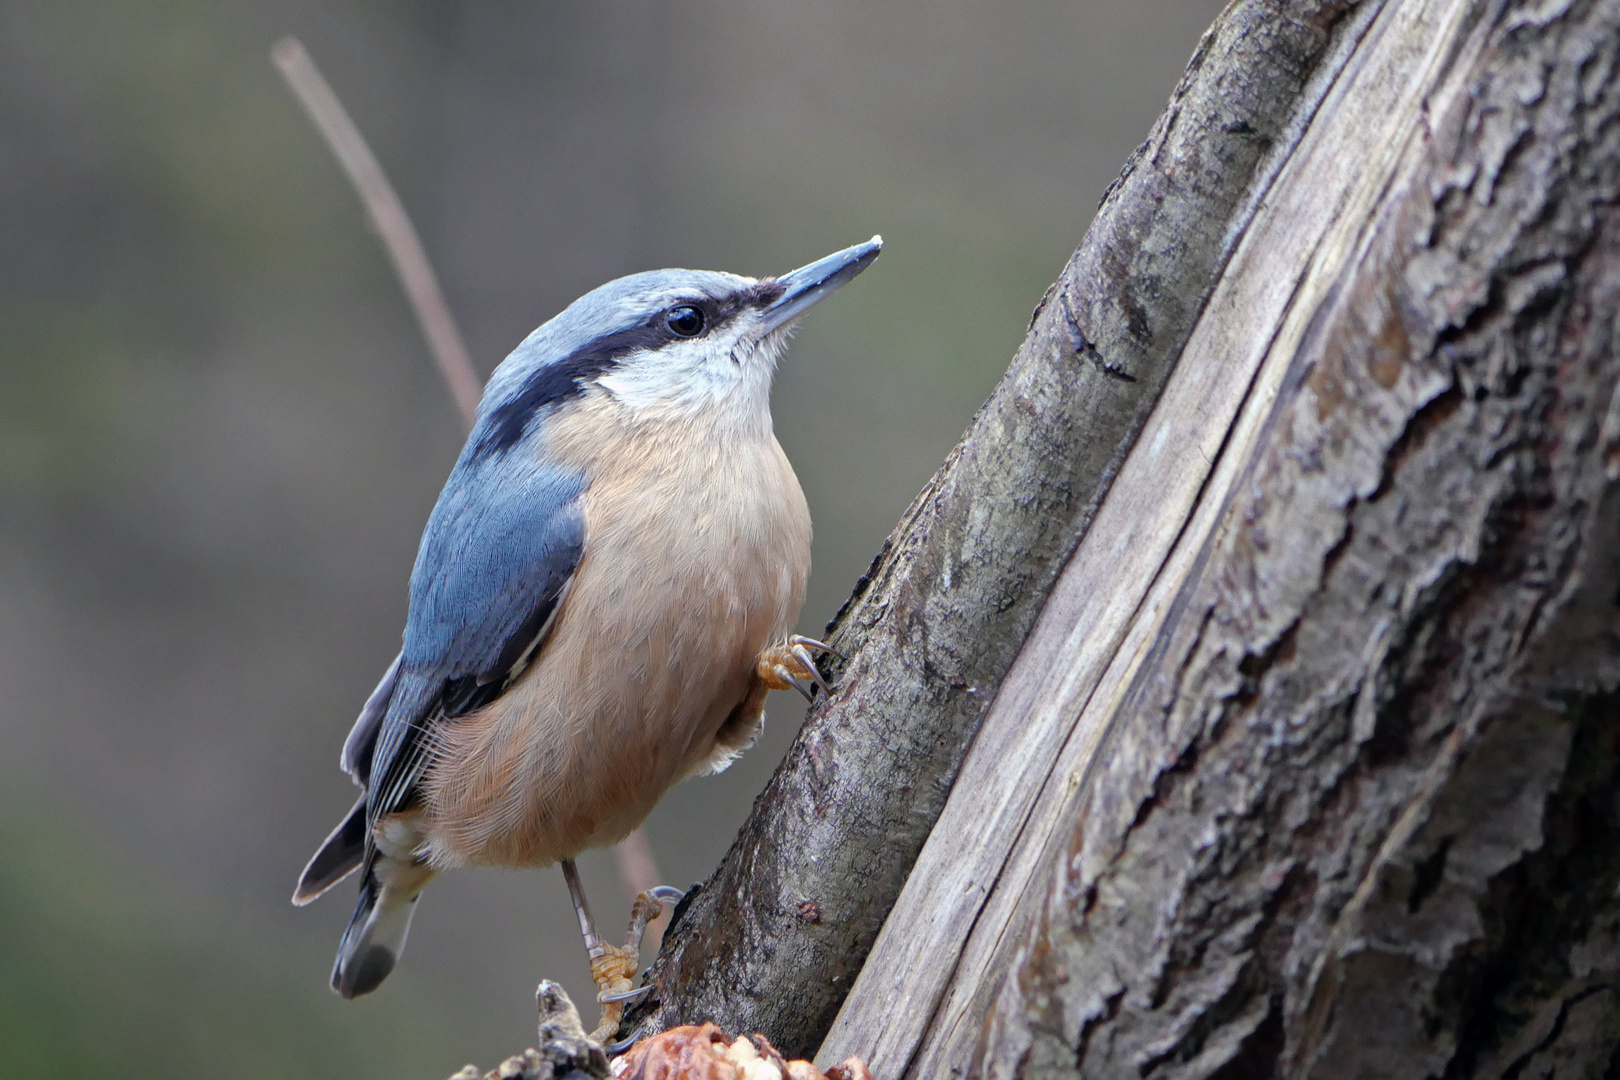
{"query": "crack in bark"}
(1459, 593)
(1518, 1065)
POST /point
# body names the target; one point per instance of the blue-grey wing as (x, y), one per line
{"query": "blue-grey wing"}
(356, 757)
(495, 562)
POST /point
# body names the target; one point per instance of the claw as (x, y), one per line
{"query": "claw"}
(800, 639)
(667, 894)
(801, 685)
(624, 1044)
(802, 655)
(624, 995)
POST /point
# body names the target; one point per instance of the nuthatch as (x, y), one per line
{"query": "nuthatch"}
(603, 596)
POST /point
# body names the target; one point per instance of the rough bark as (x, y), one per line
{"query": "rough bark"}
(777, 936)
(942, 951)
(1352, 810)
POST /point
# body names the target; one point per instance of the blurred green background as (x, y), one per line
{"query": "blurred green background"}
(220, 432)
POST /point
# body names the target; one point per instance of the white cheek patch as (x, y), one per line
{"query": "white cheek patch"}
(699, 374)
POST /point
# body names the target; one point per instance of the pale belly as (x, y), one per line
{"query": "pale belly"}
(685, 579)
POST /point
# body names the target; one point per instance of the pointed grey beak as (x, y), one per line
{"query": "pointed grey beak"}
(809, 285)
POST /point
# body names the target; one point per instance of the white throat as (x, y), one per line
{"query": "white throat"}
(727, 383)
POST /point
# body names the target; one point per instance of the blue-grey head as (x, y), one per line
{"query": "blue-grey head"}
(676, 341)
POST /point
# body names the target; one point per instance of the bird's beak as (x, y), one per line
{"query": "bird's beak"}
(809, 285)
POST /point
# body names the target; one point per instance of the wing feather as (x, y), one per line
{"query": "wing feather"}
(496, 560)
(357, 748)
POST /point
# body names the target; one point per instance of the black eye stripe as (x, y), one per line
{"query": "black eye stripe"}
(557, 382)
(719, 313)
(566, 378)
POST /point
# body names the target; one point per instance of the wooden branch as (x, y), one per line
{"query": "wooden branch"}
(781, 930)
(1309, 766)
(1115, 594)
(565, 1053)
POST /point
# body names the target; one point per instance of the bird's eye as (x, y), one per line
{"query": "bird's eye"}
(684, 321)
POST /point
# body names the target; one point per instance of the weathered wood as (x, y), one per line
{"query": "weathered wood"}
(1017, 785)
(779, 933)
(1347, 805)
(565, 1052)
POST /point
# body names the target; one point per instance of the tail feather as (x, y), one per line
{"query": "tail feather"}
(339, 856)
(373, 942)
(375, 938)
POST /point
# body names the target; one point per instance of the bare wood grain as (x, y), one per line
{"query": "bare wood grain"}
(1111, 602)
(1353, 813)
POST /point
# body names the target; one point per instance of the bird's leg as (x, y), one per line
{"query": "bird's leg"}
(613, 968)
(789, 666)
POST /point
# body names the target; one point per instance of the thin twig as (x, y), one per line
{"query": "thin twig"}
(388, 215)
(637, 866)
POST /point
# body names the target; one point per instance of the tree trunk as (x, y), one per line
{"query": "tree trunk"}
(1293, 721)
(777, 936)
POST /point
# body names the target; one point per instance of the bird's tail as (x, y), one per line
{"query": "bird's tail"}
(375, 938)
(339, 856)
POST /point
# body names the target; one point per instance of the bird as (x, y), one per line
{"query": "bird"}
(604, 594)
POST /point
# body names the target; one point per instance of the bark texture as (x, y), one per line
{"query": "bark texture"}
(1356, 812)
(776, 938)
(919, 1004)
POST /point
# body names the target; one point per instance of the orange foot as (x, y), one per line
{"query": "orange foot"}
(613, 968)
(789, 666)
